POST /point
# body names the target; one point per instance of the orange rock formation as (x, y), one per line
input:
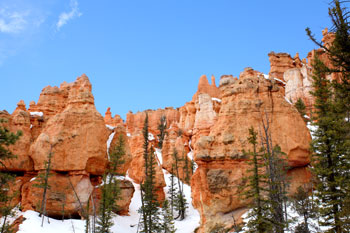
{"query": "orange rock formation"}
(213, 127)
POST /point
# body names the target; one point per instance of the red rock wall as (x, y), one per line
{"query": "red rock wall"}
(219, 155)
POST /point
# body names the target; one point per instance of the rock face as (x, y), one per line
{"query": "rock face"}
(280, 62)
(66, 193)
(120, 131)
(127, 191)
(221, 163)
(299, 85)
(77, 135)
(299, 78)
(205, 87)
(52, 100)
(112, 121)
(134, 126)
(66, 123)
(19, 120)
(199, 115)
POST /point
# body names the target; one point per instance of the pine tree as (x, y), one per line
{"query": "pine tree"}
(300, 106)
(193, 166)
(180, 199)
(254, 189)
(162, 131)
(42, 181)
(7, 138)
(277, 181)
(331, 144)
(111, 189)
(187, 170)
(304, 206)
(149, 210)
(168, 225)
(172, 191)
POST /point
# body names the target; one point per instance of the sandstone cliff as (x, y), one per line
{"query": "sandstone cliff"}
(246, 102)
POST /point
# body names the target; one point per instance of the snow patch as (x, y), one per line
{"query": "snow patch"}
(110, 127)
(109, 142)
(37, 114)
(312, 128)
(128, 224)
(216, 99)
(159, 156)
(128, 134)
(32, 179)
(192, 219)
(288, 100)
(32, 224)
(280, 80)
(150, 137)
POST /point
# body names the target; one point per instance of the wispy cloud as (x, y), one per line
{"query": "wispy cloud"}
(12, 22)
(66, 16)
(20, 23)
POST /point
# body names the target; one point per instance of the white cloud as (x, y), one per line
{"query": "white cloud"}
(12, 22)
(66, 16)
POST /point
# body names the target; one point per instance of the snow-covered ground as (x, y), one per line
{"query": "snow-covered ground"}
(122, 224)
(191, 222)
(32, 224)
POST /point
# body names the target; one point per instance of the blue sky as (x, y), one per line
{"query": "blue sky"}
(144, 54)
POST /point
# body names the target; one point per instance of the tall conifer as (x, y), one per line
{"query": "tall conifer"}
(110, 189)
(7, 138)
(162, 131)
(331, 144)
(167, 225)
(150, 221)
(255, 189)
(180, 201)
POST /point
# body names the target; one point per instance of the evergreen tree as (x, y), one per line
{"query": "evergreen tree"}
(180, 199)
(277, 181)
(150, 221)
(6, 209)
(111, 188)
(304, 206)
(168, 225)
(172, 191)
(7, 138)
(254, 190)
(193, 166)
(186, 169)
(331, 144)
(300, 106)
(162, 131)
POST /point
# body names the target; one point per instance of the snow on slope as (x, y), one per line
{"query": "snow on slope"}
(122, 224)
(159, 156)
(191, 222)
(32, 224)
